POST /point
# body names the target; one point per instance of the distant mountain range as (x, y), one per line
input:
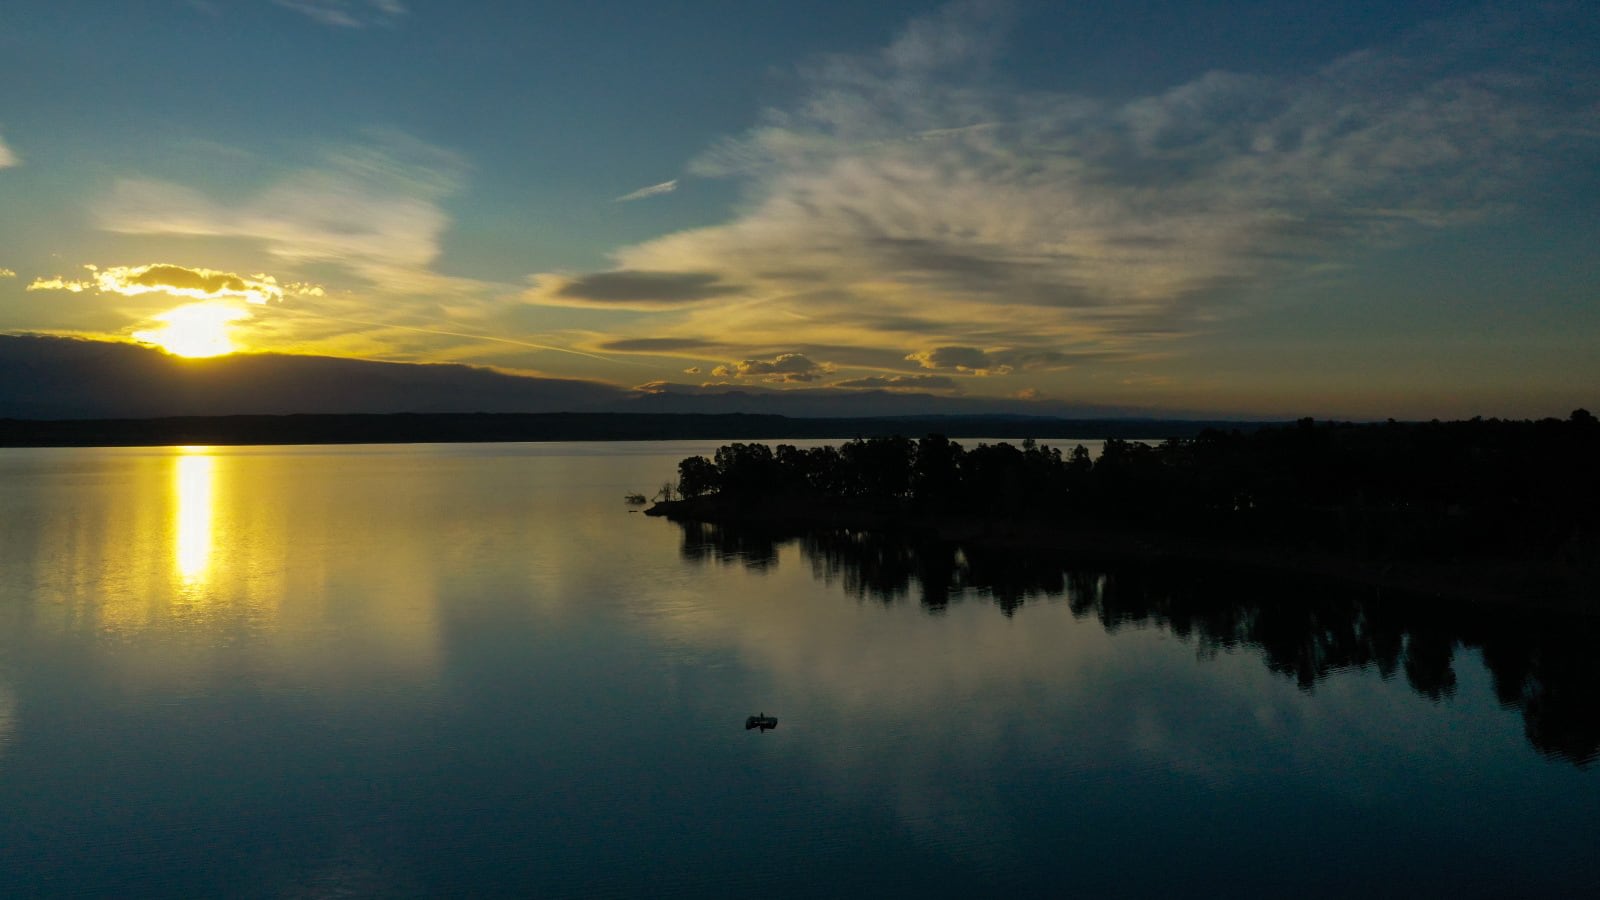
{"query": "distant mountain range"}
(64, 378)
(54, 378)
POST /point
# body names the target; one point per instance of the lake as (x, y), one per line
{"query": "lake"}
(433, 670)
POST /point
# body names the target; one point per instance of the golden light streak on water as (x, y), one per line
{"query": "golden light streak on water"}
(194, 485)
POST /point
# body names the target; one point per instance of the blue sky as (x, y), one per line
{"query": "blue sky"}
(1358, 209)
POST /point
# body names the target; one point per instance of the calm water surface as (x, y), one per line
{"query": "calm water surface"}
(454, 670)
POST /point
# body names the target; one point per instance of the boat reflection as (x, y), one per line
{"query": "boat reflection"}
(1303, 628)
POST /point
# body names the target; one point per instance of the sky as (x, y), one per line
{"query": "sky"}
(1352, 209)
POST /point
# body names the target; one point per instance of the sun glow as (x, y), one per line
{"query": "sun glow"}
(196, 330)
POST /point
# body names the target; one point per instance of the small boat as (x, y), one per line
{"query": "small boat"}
(761, 721)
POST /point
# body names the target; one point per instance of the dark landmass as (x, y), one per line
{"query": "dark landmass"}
(48, 377)
(1306, 629)
(63, 378)
(1489, 511)
(476, 427)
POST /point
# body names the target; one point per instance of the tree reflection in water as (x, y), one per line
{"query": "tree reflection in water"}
(1305, 629)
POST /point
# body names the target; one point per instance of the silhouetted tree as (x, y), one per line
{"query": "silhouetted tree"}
(697, 476)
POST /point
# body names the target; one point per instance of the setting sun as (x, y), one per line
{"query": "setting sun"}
(196, 330)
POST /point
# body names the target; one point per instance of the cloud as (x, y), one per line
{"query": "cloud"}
(7, 273)
(660, 345)
(201, 284)
(628, 289)
(909, 196)
(60, 284)
(371, 208)
(367, 219)
(348, 13)
(970, 360)
(900, 383)
(7, 158)
(179, 281)
(974, 361)
(654, 190)
(789, 368)
(840, 355)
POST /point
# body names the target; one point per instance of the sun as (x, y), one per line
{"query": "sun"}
(196, 330)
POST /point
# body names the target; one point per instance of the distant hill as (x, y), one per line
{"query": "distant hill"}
(63, 378)
(459, 427)
(54, 378)
(826, 402)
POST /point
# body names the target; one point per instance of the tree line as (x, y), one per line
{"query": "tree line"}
(1521, 488)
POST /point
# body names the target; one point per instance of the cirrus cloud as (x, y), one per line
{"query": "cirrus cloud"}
(654, 190)
(348, 13)
(910, 196)
(372, 208)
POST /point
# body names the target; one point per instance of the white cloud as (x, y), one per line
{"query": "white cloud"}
(7, 158)
(348, 13)
(909, 196)
(371, 209)
(654, 190)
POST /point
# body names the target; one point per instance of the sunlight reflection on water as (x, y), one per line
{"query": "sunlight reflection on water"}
(194, 490)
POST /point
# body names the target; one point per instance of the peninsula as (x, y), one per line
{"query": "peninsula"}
(1484, 510)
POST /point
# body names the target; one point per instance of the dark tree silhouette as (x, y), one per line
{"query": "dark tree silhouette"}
(1386, 492)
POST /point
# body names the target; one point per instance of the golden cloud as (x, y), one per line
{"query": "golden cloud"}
(967, 360)
(59, 284)
(179, 281)
(7, 273)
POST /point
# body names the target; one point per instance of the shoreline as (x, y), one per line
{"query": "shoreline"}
(1490, 583)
